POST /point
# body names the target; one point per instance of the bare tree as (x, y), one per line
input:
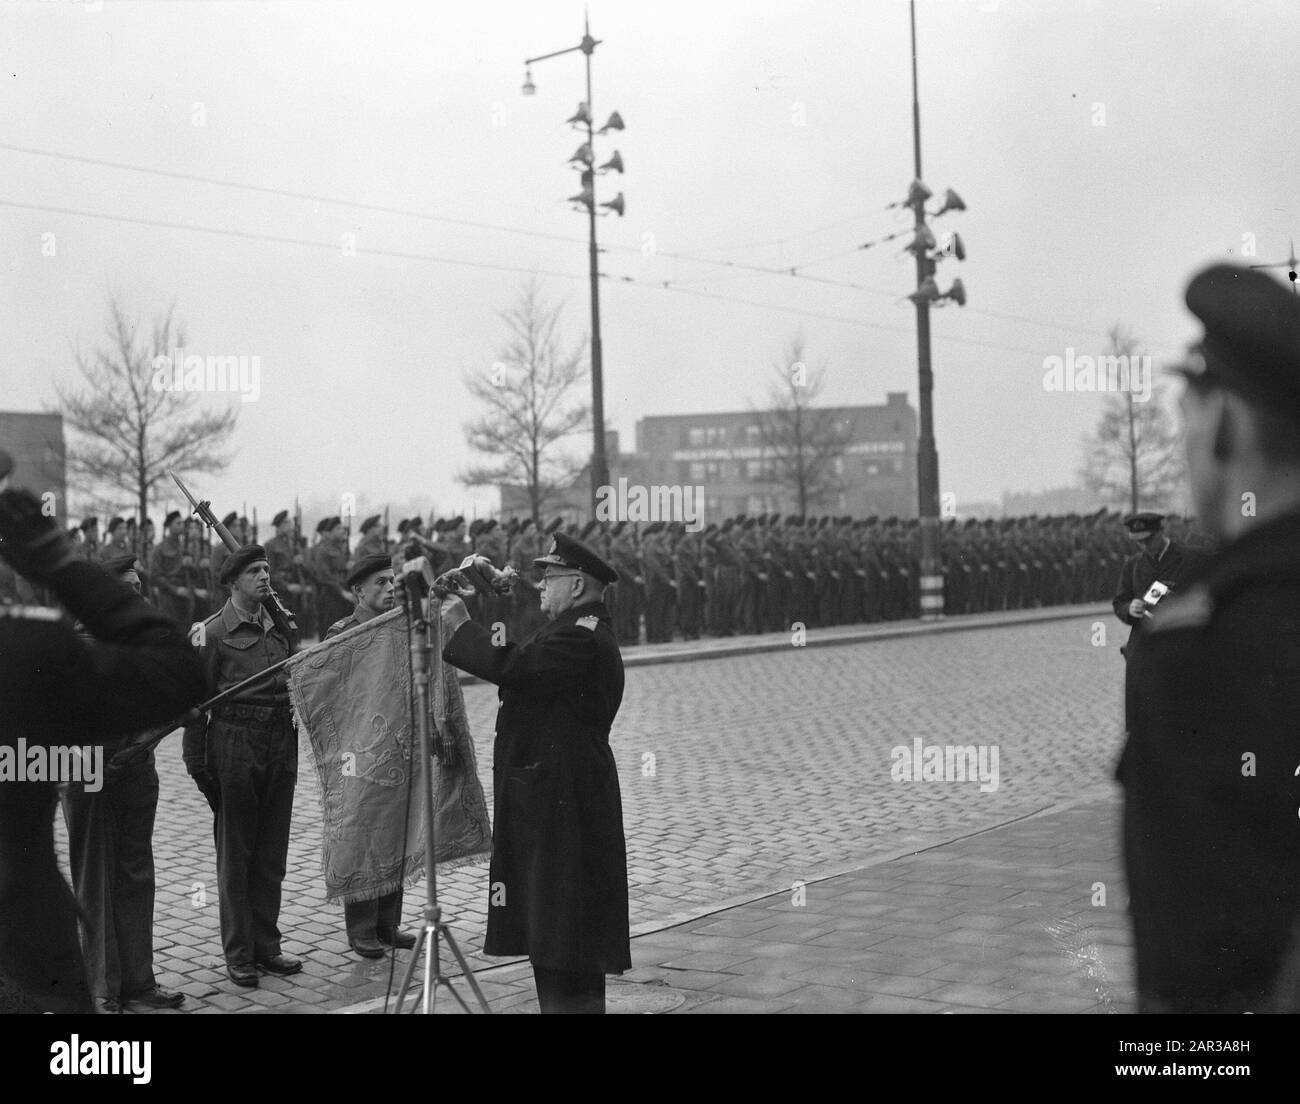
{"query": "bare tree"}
(530, 403)
(801, 443)
(127, 431)
(1134, 454)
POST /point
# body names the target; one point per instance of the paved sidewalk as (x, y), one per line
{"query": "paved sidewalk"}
(1003, 920)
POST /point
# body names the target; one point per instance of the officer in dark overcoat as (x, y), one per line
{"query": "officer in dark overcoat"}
(558, 891)
(1209, 769)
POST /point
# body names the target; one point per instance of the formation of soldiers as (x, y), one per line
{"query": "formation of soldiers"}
(744, 575)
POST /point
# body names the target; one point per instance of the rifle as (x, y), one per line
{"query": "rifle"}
(254, 524)
(280, 616)
(387, 546)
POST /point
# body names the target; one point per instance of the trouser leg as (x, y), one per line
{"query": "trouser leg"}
(135, 803)
(91, 858)
(271, 848)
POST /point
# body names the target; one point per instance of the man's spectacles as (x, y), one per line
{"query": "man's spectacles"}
(558, 575)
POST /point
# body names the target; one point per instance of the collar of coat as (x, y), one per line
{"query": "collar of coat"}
(1270, 551)
(573, 614)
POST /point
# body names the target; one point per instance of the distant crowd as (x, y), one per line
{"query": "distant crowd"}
(743, 575)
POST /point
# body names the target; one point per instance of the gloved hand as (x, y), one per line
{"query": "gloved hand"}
(32, 544)
(478, 572)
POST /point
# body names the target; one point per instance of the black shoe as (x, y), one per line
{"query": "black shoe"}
(154, 997)
(242, 973)
(368, 948)
(281, 964)
(403, 941)
(108, 1006)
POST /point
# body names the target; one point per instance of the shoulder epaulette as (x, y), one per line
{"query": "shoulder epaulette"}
(588, 622)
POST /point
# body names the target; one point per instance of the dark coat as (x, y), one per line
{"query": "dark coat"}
(57, 689)
(1176, 567)
(559, 861)
(1211, 836)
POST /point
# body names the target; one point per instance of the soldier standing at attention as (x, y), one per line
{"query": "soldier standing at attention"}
(167, 572)
(372, 539)
(243, 757)
(280, 558)
(117, 545)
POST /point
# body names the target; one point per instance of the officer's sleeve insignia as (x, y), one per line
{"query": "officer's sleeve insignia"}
(589, 622)
(1190, 610)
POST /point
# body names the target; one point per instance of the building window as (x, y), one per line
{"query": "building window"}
(754, 470)
(839, 465)
(697, 472)
(753, 434)
(715, 435)
(713, 469)
(873, 469)
(898, 465)
(696, 436)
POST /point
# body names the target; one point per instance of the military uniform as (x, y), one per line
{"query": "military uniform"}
(246, 756)
(170, 580)
(559, 858)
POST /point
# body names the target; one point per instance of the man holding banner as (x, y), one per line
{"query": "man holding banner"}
(352, 696)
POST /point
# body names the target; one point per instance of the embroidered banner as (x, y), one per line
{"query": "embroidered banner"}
(352, 697)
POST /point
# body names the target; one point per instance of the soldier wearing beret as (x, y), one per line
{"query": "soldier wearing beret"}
(243, 756)
(329, 568)
(372, 541)
(167, 572)
(559, 860)
(118, 543)
(1211, 835)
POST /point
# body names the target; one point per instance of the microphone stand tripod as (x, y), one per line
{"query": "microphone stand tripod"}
(413, 594)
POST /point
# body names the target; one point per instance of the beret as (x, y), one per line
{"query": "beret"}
(115, 524)
(367, 566)
(369, 523)
(227, 521)
(234, 564)
(282, 516)
(120, 565)
(89, 523)
(170, 518)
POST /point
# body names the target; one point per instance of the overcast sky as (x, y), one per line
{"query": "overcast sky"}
(1105, 151)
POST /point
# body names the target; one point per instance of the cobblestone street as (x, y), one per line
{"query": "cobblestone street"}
(741, 776)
